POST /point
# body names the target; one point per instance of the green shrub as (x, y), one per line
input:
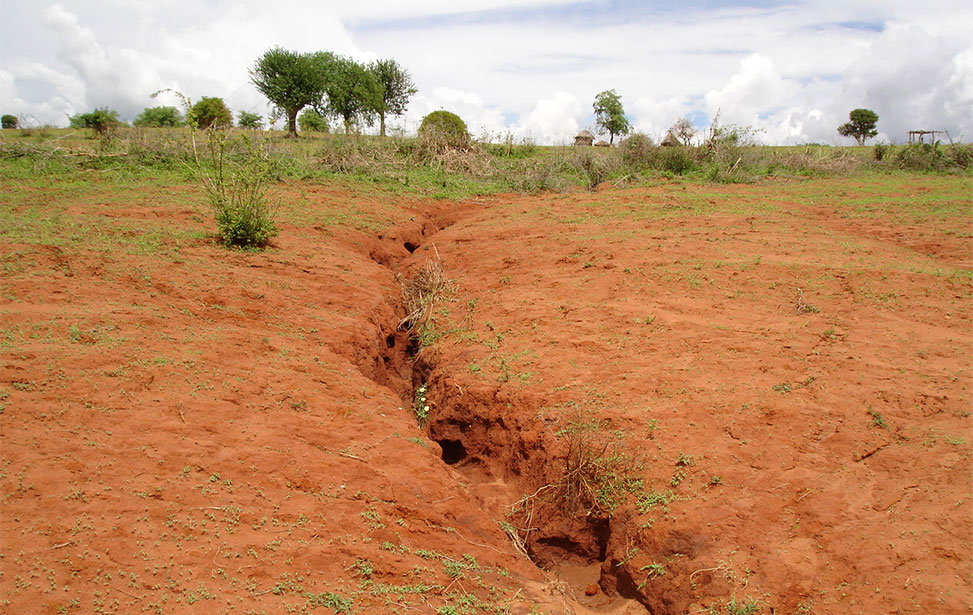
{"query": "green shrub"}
(159, 117)
(312, 121)
(236, 175)
(921, 157)
(960, 155)
(250, 121)
(636, 149)
(678, 160)
(102, 120)
(444, 130)
(210, 111)
(9, 122)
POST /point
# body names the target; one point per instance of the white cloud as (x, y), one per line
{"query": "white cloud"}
(654, 117)
(793, 70)
(554, 119)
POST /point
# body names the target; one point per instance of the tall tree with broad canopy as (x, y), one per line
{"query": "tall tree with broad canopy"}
(291, 81)
(397, 89)
(861, 126)
(610, 115)
(354, 93)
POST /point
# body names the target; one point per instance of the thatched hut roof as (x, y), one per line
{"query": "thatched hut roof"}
(584, 138)
(670, 140)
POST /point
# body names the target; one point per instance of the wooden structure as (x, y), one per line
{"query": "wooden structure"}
(584, 138)
(918, 136)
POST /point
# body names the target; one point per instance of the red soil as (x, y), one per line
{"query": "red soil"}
(214, 431)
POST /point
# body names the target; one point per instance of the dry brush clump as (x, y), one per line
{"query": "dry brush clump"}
(593, 472)
(426, 287)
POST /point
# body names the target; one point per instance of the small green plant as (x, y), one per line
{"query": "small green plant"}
(783, 387)
(420, 407)
(747, 607)
(330, 600)
(650, 499)
(236, 180)
(877, 419)
(363, 567)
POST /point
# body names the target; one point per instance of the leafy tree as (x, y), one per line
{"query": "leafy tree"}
(291, 81)
(312, 121)
(252, 121)
(102, 120)
(861, 126)
(210, 111)
(159, 117)
(354, 93)
(397, 89)
(8, 121)
(609, 114)
(683, 130)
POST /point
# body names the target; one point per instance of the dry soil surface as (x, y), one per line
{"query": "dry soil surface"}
(779, 373)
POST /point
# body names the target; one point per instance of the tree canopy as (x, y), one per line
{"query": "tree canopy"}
(683, 130)
(9, 121)
(354, 93)
(861, 125)
(210, 111)
(610, 115)
(291, 81)
(159, 117)
(397, 89)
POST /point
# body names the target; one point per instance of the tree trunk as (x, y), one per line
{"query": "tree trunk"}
(292, 123)
(611, 138)
(381, 123)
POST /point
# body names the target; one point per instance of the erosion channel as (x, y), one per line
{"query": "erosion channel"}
(508, 455)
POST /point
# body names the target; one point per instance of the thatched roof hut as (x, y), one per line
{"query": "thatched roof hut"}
(584, 138)
(602, 143)
(670, 140)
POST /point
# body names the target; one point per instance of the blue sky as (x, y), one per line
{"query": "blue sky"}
(530, 68)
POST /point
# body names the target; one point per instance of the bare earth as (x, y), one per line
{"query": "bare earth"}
(188, 429)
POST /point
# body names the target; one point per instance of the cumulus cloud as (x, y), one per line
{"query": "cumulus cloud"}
(654, 117)
(552, 120)
(119, 78)
(526, 67)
